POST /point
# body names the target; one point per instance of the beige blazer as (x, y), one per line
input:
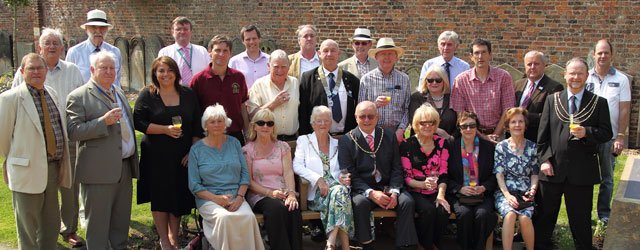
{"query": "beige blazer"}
(23, 145)
(99, 155)
(350, 65)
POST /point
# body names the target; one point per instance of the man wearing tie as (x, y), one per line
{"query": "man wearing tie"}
(532, 91)
(448, 43)
(100, 119)
(191, 58)
(33, 141)
(572, 125)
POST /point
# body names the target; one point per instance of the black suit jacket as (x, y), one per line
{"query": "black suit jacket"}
(546, 86)
(485, 168)
(360, 164)
(574, 161)
(312, 94)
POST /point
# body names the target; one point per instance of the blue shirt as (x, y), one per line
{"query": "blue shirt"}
(80, 54)
(457, 66)
(217, 171)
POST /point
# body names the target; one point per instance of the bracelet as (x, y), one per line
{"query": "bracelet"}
(621, 135)
(241, 195)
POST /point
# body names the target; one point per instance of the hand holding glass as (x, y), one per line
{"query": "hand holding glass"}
(177, 122)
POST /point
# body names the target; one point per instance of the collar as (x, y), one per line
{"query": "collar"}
(314, 58)
(358, 61)
(57, 67)
(326, 72)
(189, 46)
(475, 76)
(536, 82)
(210, 74)
(612, 71)
(578, 95)
(244, 54)
(365, 134)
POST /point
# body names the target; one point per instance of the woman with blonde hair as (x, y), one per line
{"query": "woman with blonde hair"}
(434, 90)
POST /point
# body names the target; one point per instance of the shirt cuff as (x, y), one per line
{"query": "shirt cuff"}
(367, 192)
(395, 190)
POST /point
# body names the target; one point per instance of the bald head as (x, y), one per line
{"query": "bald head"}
(329, 54)
(366, 116)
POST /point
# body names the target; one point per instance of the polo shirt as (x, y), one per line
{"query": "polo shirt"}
(615, 88)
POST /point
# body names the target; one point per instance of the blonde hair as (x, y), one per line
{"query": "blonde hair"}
(425, 111)
(265, 115)
(422, 87)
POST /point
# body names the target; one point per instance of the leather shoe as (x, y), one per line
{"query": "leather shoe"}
(74, 240)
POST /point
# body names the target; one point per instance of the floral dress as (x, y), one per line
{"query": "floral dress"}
(517, 170)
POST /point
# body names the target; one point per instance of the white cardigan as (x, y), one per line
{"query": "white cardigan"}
(308, 165)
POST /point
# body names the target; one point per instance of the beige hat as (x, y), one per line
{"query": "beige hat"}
(362, 34)
(96, 18)
(386, 43)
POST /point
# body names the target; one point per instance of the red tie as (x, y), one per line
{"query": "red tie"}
(370, 141)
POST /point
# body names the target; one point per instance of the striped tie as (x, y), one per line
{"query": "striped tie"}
(185, 70)
(370, 142)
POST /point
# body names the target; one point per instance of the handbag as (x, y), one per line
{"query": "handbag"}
(470, 200)
(522, 204)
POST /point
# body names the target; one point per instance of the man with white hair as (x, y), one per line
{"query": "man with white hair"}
(448, 43)
(100, 119)
(97, 28)
(307, 58)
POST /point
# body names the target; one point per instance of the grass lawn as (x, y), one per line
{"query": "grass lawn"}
(142, 232)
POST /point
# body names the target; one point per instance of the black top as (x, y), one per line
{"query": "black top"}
(447, 115)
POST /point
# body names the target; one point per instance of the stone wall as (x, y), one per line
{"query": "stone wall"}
(562, 29)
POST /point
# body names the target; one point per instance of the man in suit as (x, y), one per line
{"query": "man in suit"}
(33, 141)
(370, 154)
(532, 91)
(331, 86)
(569, 156)
(307, 58)
(100, 119)
(360, 63)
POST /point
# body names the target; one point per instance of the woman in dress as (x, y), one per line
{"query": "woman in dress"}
(516, 169)
(471, 183)
(272, 185)
(165, 147)
(316, 161)
(434, 89)
(219, 178)
(424, 160)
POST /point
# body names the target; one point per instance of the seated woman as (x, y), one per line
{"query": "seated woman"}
(471, 183)
(316, 161)
(516, 169)
(272, 185)
(424, 160)
(219, 178)
(434, 89)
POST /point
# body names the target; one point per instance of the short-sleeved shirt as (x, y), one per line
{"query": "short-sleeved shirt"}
(457, 66)
(267, 170)
(252, 69)
(230, 93)
(488, 99)
(615, 88)
(200, 58)
(80, 54)
(286, 115)
(374, 84)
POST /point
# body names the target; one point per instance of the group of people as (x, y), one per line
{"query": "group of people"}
(216, 129)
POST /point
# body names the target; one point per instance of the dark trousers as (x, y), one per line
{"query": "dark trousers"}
(431, 222)
(284, 228)
(578, 200)
(405, 226)
(475, 223)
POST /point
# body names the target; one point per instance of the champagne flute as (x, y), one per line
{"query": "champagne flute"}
(573, 124)
(177, 122)
(114, 105)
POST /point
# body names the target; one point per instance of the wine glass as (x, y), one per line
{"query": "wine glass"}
(177, 122)
(573, 124)
(114, 105)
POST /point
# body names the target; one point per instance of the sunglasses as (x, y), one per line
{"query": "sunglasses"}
(468, 126)
(358, 43)
(427, 123)
(432, 80)
(369, 116)
(261, 123)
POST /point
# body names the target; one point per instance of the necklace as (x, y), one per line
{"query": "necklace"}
(436, 99)
(582, 115)
(326, 160)
(371, 153)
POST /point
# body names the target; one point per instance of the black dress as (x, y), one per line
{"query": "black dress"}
(163, 179)
(447, 115)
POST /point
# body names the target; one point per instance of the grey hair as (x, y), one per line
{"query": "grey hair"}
(215, 111)
(449, 35)
(577, 60)
(537, 53)
(278, 55)
(50, 32)
(103, 54)
(319, 110)
(329, 41)
(301, 27)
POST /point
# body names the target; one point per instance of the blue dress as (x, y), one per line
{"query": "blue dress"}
(517, 171)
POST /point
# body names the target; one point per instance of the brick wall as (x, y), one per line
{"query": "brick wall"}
(562, 29)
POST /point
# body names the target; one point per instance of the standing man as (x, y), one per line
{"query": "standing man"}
(223, 85)
(331, 86)
(63, 77)
(484, 90)
(360, 63)
(388, 87)
(605, 81)
(448, 43)
(96, 28)
(253, 63)
(100, 119)
(33, 142)
(191, 58)
(370, 154)
(532, 91)
(307, 58)
(569, 162)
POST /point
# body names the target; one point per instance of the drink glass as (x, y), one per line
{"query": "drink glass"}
(114, 105)
(177, 122)
(344, 174)
(573, 124)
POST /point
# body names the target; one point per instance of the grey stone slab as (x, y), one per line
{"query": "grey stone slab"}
(268, 46)
(137, 64)
(5, 52)
(24, 48)
(125, 79)
(515, 73)
(152, 45)
(556, 73)
(414, 76)
(237, 46)
(623, 230)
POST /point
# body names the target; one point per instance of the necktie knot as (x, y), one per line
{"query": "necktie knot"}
(332, 82)
(96, 50)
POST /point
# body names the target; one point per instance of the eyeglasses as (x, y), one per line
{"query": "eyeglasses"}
(427, 123)
(358, 43)
(321, 122)
(369, 116)
(468, 125)
(438, 80)
(261, 123)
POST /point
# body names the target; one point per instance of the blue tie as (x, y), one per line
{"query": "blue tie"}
(336, 109)
(572, 105)
(446, 67)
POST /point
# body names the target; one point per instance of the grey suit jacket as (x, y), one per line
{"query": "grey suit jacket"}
(99, 156)
(350, 64)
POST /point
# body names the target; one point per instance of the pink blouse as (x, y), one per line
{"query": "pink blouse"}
(266, 170)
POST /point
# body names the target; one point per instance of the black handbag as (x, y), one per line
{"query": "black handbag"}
(470, 200)
(522, 204)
